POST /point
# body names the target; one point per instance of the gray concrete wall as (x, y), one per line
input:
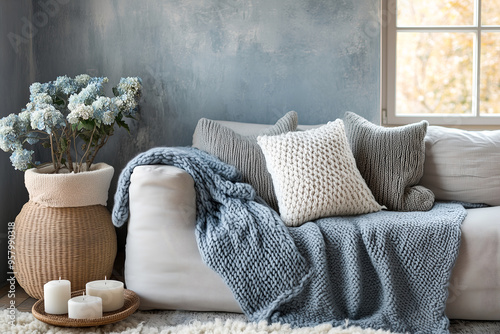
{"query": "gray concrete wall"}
(245, 60)
(16, 73)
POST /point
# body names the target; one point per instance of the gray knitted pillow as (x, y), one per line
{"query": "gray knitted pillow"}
(391, 161)
(243, 151)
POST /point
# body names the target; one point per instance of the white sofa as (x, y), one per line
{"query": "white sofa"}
(164, 267)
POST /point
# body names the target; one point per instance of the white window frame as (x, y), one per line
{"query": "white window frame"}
(389, 33)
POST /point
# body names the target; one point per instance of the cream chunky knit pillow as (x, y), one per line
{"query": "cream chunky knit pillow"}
(314, 174)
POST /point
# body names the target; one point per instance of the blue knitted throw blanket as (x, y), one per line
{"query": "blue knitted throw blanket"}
(387, 270)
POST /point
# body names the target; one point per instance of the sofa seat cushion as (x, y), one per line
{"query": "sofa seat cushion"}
(163, 264)
(474, 291)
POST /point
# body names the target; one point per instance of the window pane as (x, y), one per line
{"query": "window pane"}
(490, 73)
(435, 12)
(490, 12)
(434, 73)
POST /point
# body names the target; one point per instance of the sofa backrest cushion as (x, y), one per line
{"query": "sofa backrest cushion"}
(391, 161)
(315, 175)
(236, 144)
(463, 165)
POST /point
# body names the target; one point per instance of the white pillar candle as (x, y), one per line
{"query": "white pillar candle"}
(56, 295)
(111, 292)
(85, 307)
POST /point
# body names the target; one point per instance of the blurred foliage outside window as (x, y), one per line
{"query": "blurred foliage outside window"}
(448, 57)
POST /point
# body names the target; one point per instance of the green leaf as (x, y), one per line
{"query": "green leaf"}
(58, 101)
(122, 124)
(64, 144)
(104, 130)
(88, 125)
(115, 91)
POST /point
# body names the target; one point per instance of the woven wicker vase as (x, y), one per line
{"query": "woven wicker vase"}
(65, 229)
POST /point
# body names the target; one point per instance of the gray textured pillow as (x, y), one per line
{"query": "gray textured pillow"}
(243, 151)
(391, 161)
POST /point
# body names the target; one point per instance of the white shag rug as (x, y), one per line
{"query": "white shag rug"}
(166, 322)
(185, 322)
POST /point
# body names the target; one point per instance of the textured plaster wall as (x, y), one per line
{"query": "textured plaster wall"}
(16, 72)
(245, 60)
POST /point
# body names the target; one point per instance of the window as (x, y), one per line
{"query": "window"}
(442, 61)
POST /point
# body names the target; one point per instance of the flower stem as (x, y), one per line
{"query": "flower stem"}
(88, 147)
(98, 147)
(68, 151)
(74, 145)
(52, 151)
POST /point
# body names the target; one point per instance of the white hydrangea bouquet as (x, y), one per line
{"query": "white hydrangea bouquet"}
(72, 117)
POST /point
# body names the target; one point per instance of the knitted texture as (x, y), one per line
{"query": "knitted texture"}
(314, 175)
(243, 151)
(65, 190)
(384, 270)
(391, 161)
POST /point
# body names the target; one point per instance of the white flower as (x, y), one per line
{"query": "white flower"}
(36, 88)
(108, 118)
(46, 118)
(129, 85)
(21, 159)
(65, 85)
(130, 101)
(25, 117)
(12, 131)
(82, 80)
(8, 138)
(86, 96)
(42, 98)
(55, 105)
(126, 103)
(80, 111)
(105, 105)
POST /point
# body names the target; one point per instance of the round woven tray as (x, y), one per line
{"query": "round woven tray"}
(130, 306)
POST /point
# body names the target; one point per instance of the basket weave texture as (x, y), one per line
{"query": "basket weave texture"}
(130, 305)
(76, 243)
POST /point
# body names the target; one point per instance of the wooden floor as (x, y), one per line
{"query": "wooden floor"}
(24, 303)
